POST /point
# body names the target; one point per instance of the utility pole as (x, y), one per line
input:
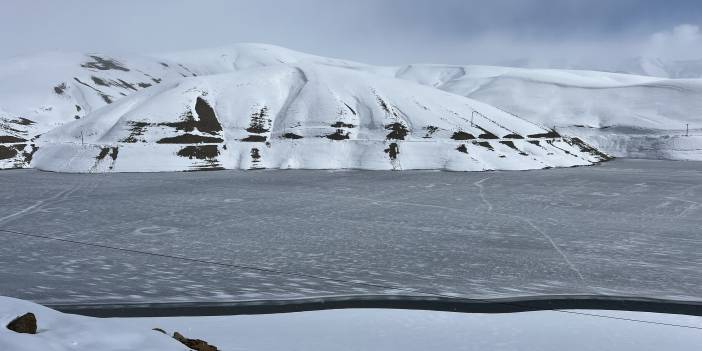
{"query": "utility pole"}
(687, 129)
(81, 138)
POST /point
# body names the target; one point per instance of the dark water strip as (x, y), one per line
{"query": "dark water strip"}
(501, 305)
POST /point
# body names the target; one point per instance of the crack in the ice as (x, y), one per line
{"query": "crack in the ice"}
(481, 189)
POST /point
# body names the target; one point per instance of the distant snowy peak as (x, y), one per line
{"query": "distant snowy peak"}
(303, 116)
(242, 56)
(658, 67)
(642, 65)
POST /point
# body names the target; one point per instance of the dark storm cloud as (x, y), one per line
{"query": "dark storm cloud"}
(376, 31)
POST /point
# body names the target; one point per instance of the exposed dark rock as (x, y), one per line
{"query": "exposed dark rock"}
(188, 138)
(342, 125)
(194, 344)
(462, 136)
(551, 134)
(535, 142)
(398, 131)
(462, 148)
(60, 89)
(484, 144)
(103, 153)
(255, 154)
(200, 152)
(26, 324)
(112, 151)
(513, 136)
(255, 139)
(350, 109)
(7, 152)
(430, 131)
(486, 134)
(137, 129)
(589, 149)
(509, 144)
(144, 85)
(22, 121)
(338, 135)
(104, 64)
(8, 139)
(126, 85)
(393, 150)
(100, 81)
(160, 330)
(208, 120)
(259, 121)
(383, 104)
(291, 136)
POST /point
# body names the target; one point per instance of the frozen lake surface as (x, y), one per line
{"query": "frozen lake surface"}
(626, 227)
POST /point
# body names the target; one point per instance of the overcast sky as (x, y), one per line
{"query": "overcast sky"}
(373, 31)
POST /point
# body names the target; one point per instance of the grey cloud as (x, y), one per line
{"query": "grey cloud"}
(374, 31)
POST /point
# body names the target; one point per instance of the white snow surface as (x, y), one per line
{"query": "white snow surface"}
(355, 329)
(55, 89)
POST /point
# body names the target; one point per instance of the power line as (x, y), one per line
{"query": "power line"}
(312, 276)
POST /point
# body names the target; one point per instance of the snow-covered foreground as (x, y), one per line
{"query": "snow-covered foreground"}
(357, 329)
(277, 108)
(618, 228)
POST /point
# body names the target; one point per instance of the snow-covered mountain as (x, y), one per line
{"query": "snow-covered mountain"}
(623, 115)
(253, 105)
(285, 116)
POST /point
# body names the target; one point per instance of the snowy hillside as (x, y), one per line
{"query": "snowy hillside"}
(41, 92)
(300, 116)
(623, 115)
(98, 99)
